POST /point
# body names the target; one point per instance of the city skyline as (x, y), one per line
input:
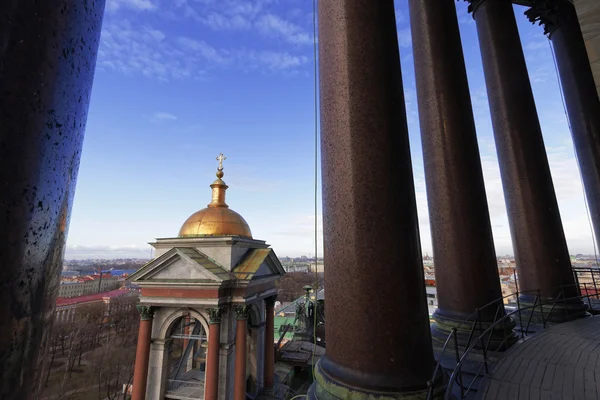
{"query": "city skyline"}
(179, 83)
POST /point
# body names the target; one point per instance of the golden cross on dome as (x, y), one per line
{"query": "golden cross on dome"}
(220, 159)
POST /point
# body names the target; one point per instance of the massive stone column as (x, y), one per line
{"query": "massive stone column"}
(211, 380)
(583, 106)
(47, 60)
(378, 338)
(142, 353)
(239, 386)
(539, 243)
(269, 342)
(465, 260)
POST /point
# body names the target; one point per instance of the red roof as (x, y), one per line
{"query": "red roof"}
(64, 301)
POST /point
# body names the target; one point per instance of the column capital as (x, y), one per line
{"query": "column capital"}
(548, 13)
(215, 315)
(146, 312)
(270, 301)
(242, 312)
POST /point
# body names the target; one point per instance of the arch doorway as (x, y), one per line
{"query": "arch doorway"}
(186, 352)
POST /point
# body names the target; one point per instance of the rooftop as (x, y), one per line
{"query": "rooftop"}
(63, 301)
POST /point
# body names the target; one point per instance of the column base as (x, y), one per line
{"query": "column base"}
(561, 311)
(327, 387)
(502, 337)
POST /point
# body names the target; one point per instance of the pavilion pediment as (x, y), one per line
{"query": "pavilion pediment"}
(182, 265)
(258, 263)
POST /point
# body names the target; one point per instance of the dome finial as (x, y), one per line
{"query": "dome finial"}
(216, 219)
(218, 186)
(220, 159)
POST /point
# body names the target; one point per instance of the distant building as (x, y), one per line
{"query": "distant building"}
(320, 267)
(66, 307)
(89, 284)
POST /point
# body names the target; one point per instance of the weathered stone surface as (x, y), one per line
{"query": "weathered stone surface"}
(541, 253)
(369, 211)
(47, 61)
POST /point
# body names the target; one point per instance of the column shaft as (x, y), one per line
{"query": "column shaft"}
(142, 357)
(465, 261)
(583, 105)
(269, 343)
(370, 224)
(211, 391)
(239, 392)
(47, 59)
(539, 242)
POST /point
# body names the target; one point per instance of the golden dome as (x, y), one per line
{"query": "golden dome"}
(217, 219)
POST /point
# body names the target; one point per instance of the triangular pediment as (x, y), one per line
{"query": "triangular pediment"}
(181, 265)
(258, 263)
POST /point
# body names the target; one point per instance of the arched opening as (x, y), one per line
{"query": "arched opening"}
(186, 365)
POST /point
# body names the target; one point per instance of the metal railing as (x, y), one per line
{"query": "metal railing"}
(181, 389)
(523, 318)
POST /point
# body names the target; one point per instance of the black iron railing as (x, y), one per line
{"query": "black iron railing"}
(523, 317)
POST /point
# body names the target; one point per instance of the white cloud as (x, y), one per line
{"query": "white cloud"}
(200, 47)
(277, 61)
(541, 74)
(273, 25)
(464, 16)
(140, 5)
(131, 49)
(404, 37)
(399, 16)
(218, 21)
(162, 116)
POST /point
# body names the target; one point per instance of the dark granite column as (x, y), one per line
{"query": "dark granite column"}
(47, 60)
(539, 243)
(378, 339)
(463, 247)
(583, 106)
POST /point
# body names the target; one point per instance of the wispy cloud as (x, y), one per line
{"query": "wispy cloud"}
(246, 15)
(132, 49)
(200, 47)
(273, 61)
(404, 37)
(162, 116)
(140, 5)
(399, 16)
(272, 25)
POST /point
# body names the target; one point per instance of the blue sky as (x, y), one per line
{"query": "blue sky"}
(180, 81)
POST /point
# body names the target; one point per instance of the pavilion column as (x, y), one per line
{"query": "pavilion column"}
(583, 106)
(142, 354)
(239, 385)
(47, 58)
(538, 238)
(211, 379)
(466, 268)
(269, 342)
(371, 236)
